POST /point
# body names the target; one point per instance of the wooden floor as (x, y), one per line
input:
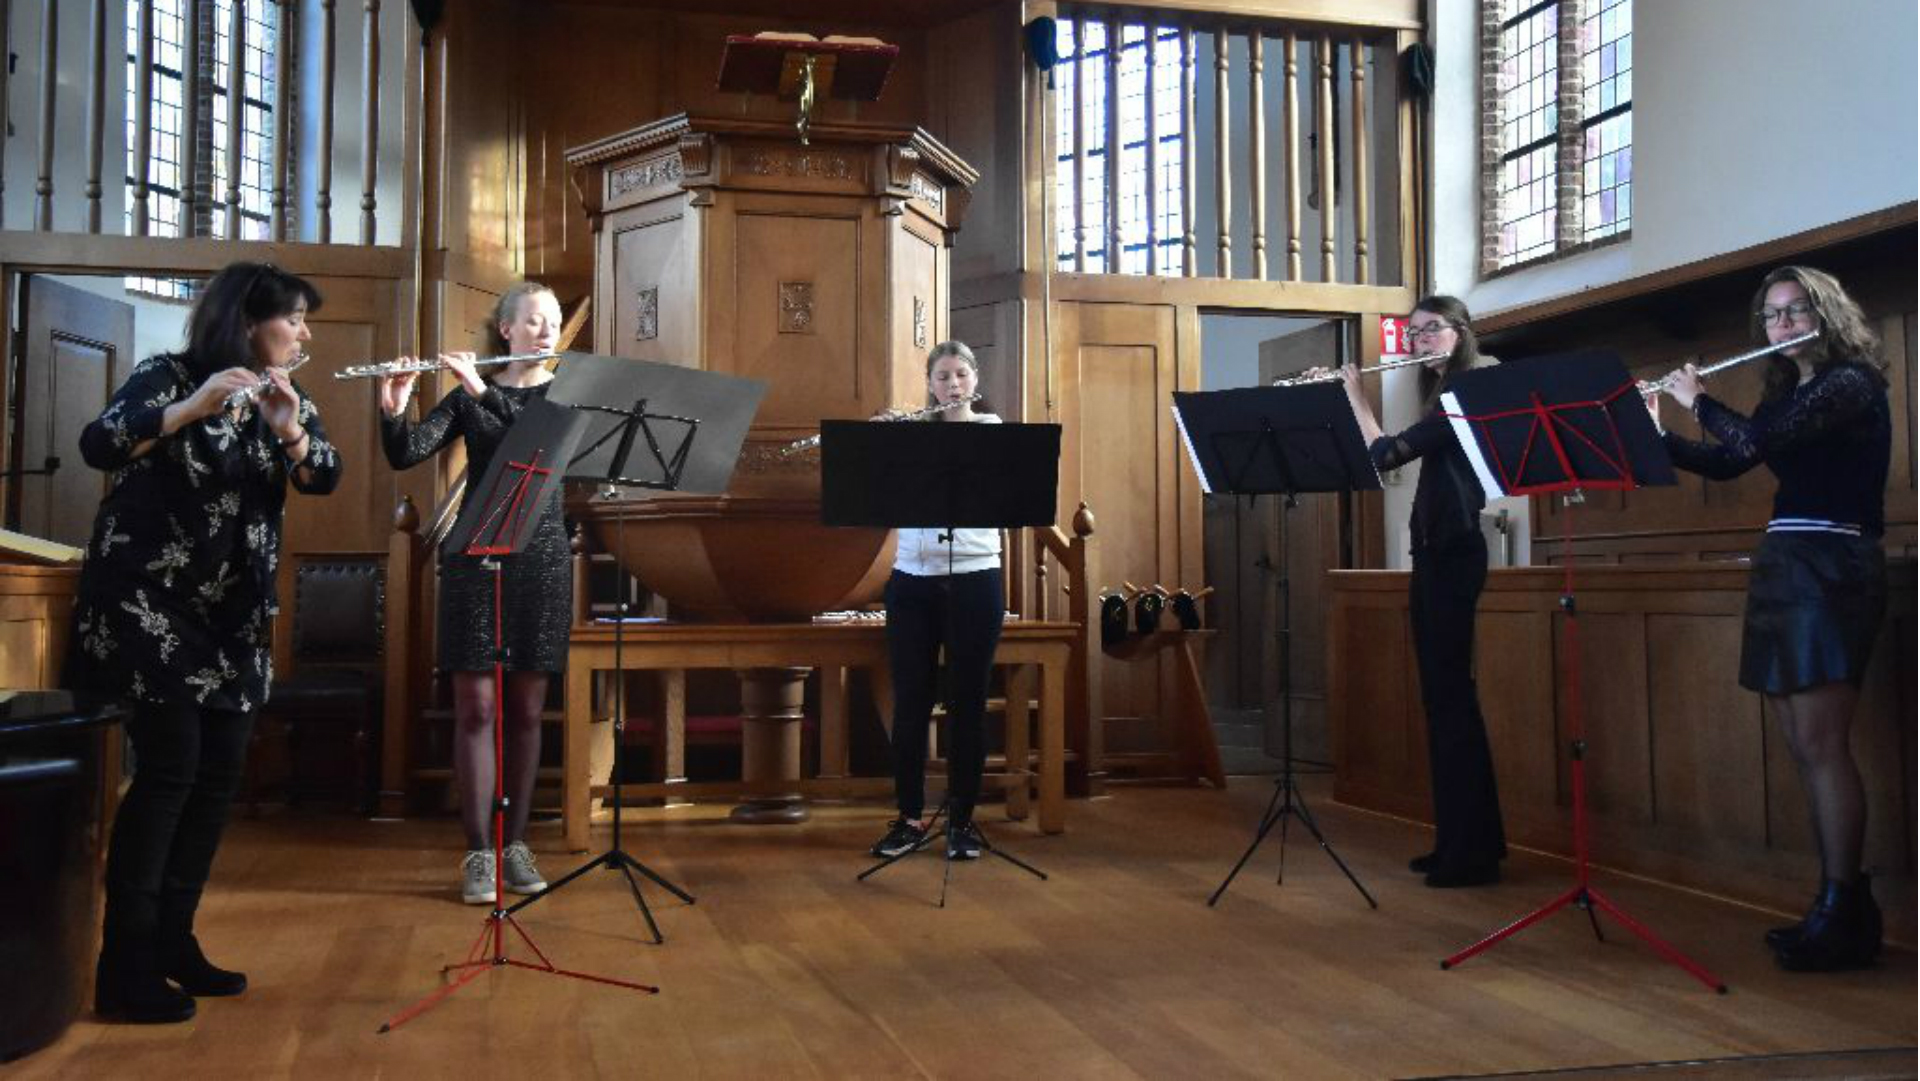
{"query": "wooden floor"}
(786, 967)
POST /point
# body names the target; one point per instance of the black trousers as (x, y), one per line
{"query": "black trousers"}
(188, 762)
(964, 612)
(1447, 580)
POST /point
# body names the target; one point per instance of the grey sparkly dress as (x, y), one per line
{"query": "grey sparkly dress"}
(536, 584)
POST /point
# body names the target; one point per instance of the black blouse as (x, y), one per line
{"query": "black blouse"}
(1829, 441)
(1448, 500)
(176, 597)
(481, 423)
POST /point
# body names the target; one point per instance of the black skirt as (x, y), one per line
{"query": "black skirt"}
(1815, 602)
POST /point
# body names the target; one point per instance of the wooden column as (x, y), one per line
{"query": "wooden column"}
(1291, 131)
(1222, 187)
(1190, 172)
(190, 119)
(1153, 152)
(1357, 59)
(1257, 139)
(323, 185)
(1112, 216)
(1323, 49)
(236, 110)
(49, 86)
(96, 105)
(282, 106)
(370, 123)
(1079, 145)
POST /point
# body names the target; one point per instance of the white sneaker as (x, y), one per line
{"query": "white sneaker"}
(476, 877)
(520, 874)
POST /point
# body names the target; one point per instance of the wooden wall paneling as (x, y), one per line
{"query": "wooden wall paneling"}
(1692, 761)
(479, 101)
(967, 55)
(1380, 747)
(36, 616)
(1517, 642)
(1117, 369)
(651, 250)
(774, 248)
(1613, 652)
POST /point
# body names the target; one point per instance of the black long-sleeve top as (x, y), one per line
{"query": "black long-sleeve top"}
(1829, 441)
(1448, 500)
(176, 597)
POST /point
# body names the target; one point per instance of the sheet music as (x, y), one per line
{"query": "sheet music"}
(1463, 431)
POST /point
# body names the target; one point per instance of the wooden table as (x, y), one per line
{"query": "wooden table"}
(1031, 648)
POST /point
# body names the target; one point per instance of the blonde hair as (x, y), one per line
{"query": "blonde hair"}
(1844, 331)
(507, 307)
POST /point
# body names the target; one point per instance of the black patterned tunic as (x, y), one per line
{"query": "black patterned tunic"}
(536, 584)
(176, 597)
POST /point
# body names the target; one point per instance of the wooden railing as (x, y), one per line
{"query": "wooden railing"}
(301, 130)
(1069, 555)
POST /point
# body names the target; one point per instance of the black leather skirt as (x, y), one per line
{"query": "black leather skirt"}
(1815, 603)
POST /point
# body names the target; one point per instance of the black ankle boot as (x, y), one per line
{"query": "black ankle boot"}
(1842, 931)
(128, 986)
(188, 966)
(1787, 935)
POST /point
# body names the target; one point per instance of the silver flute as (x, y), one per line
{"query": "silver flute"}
(1332, 376)
(1655, 386)
(799, 445)
(246, 395)
(408, 367)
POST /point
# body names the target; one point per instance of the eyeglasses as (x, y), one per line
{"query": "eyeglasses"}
(1429, 330)
(1793, 312)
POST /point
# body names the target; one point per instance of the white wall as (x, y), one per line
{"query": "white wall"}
(159, 326)
(1753, 120)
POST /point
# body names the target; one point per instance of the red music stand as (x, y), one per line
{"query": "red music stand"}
(523, 477)
(1539, 427)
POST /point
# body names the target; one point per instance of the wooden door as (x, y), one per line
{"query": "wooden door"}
(1117, 366)
(76, 349)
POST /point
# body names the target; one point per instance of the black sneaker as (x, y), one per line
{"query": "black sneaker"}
(903, 835)
(963, 841)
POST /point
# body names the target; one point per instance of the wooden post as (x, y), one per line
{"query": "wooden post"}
(97, 105)
(1323, 50)
(236, 111)
(1190, 182)
(190, 120)
(1257, 138)
(370, 124)
(323, 181)
(49, 86)
(282, 106)
(1291, 128)
(1357, 60)
(1223, 164)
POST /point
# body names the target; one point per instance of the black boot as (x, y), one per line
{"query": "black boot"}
(1842, 931)
(1787, 935)
(187, 966)
(127, 986)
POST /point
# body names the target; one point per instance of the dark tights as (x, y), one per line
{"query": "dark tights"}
(473, 710)
(1818, 723)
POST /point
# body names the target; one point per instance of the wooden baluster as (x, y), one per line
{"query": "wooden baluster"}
(236, 110)
(1323, 48)
(282, 106)
(1153, 151)
(1112, 216)
(1223, 165)
(49, 86)
(323, 186)
(6, 49)
(97, 105)
(1257, 136)
(1190, 170)
(370, 124)
(1079, 145)
(1357, 59)
(1291, 133)
(190, 120)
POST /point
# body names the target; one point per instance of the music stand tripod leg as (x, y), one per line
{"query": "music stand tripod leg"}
(1268, 818)
(1306, 818)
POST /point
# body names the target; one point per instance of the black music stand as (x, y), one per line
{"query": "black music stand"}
(676, 429)
(494, 525)
(1279, 441)
(1564, 424)
(940, 476)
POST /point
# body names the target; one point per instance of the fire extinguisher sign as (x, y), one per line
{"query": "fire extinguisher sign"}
(1393, 337)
